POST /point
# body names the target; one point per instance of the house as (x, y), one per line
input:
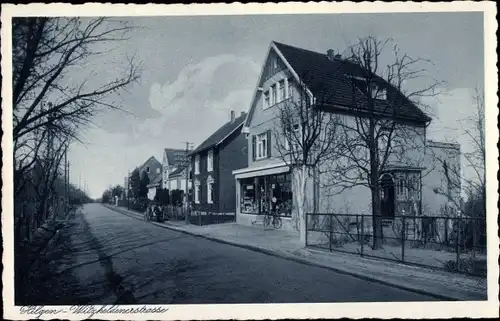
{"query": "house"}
(153, 186)
(268, 176)
(151, 167)
(179, 178)
(212, 164)
(172, 159)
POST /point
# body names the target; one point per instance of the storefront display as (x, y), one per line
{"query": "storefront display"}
(257, 193)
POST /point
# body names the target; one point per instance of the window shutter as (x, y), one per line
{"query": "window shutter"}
(268, 143)
(253, 147)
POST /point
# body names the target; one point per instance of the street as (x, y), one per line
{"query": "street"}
(105, 257)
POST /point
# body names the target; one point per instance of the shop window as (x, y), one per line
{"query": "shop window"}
(248, 202)
(258, 193)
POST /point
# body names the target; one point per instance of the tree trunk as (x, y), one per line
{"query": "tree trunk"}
(377, 218)
(300, 182)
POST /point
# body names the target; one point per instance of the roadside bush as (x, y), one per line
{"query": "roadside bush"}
(176, 197)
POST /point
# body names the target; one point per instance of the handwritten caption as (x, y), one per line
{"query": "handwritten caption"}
(88, 310)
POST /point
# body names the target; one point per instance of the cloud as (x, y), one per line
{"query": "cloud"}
(201, 97)
(190, 108)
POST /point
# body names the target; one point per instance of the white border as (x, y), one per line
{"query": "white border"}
(268, 311)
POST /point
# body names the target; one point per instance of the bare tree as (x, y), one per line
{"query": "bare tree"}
(45, 53)
(381, 130)
(55, 92)
(472, 179)
(305, 137)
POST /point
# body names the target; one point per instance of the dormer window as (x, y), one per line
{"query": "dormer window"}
(275, 63)
(378, 92)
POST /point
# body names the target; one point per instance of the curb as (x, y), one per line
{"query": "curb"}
(297, 259)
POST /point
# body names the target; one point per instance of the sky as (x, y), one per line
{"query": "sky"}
(195, 70)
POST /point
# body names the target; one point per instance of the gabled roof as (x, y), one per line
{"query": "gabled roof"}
(331, 81)
(140, 168)
(177, 172)
(170, 152)
(220, 134)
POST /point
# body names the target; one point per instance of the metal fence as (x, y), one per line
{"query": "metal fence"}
(452, 243)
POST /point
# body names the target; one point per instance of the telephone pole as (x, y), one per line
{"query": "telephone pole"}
(186, 188)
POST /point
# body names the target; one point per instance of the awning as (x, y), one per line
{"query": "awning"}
(261, 171)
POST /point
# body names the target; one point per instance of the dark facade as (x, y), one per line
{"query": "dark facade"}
(152, 167)
(228, 149)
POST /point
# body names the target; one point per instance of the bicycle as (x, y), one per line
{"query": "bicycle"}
(272, 219)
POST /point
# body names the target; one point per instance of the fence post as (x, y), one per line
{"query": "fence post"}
(403, 240)
(474, 225)
(307, 216)
(362, 233)
(199, 218)
(331, 230)
(457, 247)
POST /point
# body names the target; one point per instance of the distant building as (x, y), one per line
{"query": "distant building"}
(212, 163)
(172, 160)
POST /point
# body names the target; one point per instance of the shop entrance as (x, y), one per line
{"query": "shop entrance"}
(257, 194)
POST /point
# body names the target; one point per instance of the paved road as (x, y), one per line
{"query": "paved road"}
(107, 257)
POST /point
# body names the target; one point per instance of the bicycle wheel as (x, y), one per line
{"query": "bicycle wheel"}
(277, 222)
(267, 220)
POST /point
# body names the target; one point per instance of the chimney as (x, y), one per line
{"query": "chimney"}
(242, 114)
(232, 115)
(330, 54)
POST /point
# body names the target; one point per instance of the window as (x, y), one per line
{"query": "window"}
(266, 100)
(210, 190)
(293, 138)
(261, 146)
(257, 194)
(197, 192)
(408, 187)
(378, 93)
(158, 170)
(290, 87)
(273, 95)
(275, 64)
(210, 161)
(281, 86)
(147, 169)
(197, 164)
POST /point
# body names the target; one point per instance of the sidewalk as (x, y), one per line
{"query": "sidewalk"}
(437, 283)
